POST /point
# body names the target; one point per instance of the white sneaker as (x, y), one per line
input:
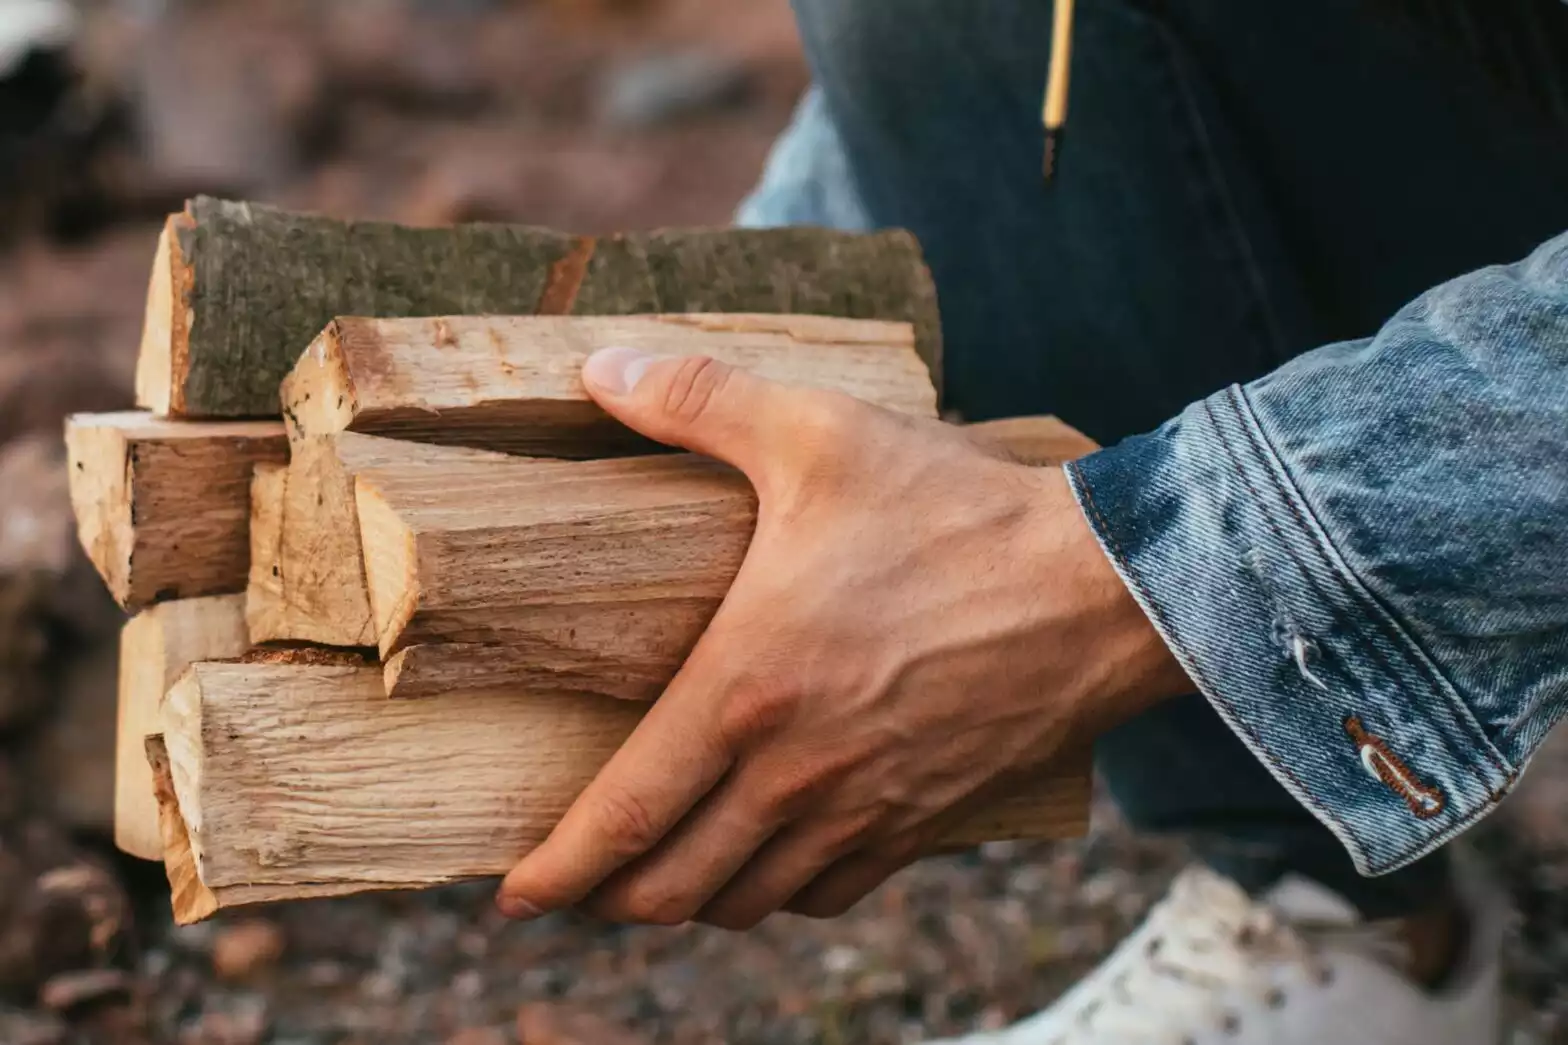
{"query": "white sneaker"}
(1298, 967)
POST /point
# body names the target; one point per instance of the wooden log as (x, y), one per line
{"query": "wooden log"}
(595, 576)
(162, 507)
(156, 646)
(291, 780)
(512, 383)
(307, 575)
(238, 289)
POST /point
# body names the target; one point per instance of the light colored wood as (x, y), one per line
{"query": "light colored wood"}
(156, 646)
(190, 898)
(615, 565)
(163, 507)
(157, 334)
(594, 576)
(307, 576)
(302, 779)
(512, 383)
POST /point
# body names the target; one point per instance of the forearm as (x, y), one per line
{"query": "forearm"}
(1360, 558)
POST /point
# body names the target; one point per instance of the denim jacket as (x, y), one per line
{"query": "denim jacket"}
(1362, 558)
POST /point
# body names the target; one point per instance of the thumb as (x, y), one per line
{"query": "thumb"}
(694, 402)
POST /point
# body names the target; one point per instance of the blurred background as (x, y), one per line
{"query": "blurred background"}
(586, 115)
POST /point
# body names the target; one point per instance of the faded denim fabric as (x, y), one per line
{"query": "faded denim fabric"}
(1240, 183)
(1362, 558)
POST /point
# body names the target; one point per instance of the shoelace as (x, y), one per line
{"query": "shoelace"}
(1209, 945)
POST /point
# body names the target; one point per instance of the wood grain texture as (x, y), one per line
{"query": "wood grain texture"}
(156, 646)
(594, 576)
(163, 507)
(512, 383)
(303, 780)
(307, 575)
(239, 289)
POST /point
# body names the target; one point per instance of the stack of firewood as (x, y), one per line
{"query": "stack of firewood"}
(400, 587)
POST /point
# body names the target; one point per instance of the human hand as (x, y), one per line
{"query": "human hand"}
(916, 623)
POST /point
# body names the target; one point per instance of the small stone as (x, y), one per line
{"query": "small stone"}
(71, 991)
(246, 948)
(840, 959)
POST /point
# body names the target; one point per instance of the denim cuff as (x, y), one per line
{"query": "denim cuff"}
(1315, 674)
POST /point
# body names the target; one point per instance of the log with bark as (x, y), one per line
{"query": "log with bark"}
(237, 289)
(162, 507)
(592, 576)
(511, 383)
(156, 646)
(299, 778)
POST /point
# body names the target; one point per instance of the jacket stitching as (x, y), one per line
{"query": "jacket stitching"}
(1197, 669)
(1460, 757)
(1376, 611)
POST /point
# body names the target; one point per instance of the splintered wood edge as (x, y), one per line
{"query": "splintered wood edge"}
(317, 396)
(191, 899)
(101, 487)
(391, 564)
(165, 344)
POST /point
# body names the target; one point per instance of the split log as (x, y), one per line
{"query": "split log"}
(238, 289)
(293, 780)
(307, 576)
(156, 646)
(595, 576)
(162, 507)
(512, 383)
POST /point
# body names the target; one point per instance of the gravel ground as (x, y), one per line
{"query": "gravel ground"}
(950, 944)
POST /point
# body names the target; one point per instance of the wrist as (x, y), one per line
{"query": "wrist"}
(1122, 665)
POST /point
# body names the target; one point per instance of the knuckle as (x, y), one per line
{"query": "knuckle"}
(627, 822)
(697, 383)
(651, 903)
(755, 711)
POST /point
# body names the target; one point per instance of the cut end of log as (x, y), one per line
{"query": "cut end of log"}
(391, 556)
(166, 324)
(162, 506)
(318, 395)
(192, 900)
(100, 479)
(307, 575)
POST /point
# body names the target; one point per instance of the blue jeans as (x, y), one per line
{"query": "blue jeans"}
(1240, 182)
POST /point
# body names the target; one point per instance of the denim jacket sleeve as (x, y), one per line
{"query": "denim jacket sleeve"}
(1362, 558)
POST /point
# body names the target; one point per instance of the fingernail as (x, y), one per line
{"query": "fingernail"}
(616, 370)
(516, 907)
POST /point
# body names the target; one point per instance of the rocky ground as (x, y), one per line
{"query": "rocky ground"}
(582, 114)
